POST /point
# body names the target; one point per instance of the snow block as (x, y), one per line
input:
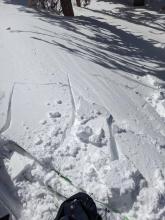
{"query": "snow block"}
(18, 164)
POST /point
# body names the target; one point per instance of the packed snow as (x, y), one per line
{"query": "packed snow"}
(82, 98)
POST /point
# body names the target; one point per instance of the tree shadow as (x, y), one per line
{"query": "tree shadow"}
(16, 2)
(148, 4)
(107, 46)
(102, 43)
(125, 2)
(146, 16)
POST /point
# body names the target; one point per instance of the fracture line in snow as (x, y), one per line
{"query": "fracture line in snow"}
(15, 147)
(72, 101)
(113, 146)
(71, 93)
(70, 125)
(8, 117)
(40, 84)
(5, 197)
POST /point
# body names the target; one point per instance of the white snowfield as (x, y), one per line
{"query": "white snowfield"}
(84, 96)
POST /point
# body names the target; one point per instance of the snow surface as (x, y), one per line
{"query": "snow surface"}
(84, 96)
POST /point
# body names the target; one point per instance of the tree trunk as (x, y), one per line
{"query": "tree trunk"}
(67, 8)
(30, 3)
(78, 3)
(138, 2)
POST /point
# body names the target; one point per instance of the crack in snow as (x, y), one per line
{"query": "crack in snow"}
(8, 117)
(70, 125)
(12, 146)
(113, 146)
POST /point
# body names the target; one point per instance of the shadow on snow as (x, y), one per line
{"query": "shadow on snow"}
(102, 43)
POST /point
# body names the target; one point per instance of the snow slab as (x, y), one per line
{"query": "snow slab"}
(85, 97)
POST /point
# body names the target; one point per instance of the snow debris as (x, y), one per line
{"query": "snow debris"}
(161, 108)
(38, 141)
(153, 81)
(18, 164)
(84, 132)
(98, 86)
(157, 100)
(43, 122)
(59, 102)
(54, 114)
(123, 180)
(55, 132)
(98, 139)
(159, 45)
(150, 201)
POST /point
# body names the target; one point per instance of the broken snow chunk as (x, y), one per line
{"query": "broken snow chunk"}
(142, 184)
(55, 132)
(153, 80)
(90, 174)
(59, 102)
(85, 119)
(159, 181)
(18, 164)
(38, 141)
(73, 150)
(43, 122)
(98, 139)
(160, 45)
(162, 95)
(54, 114)
(161, 108)
(49, 176)
(98, 113)
(117, 129)
(123, 181)
(83, 133)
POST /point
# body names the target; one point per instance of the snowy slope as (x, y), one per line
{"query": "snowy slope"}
(84, 96)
